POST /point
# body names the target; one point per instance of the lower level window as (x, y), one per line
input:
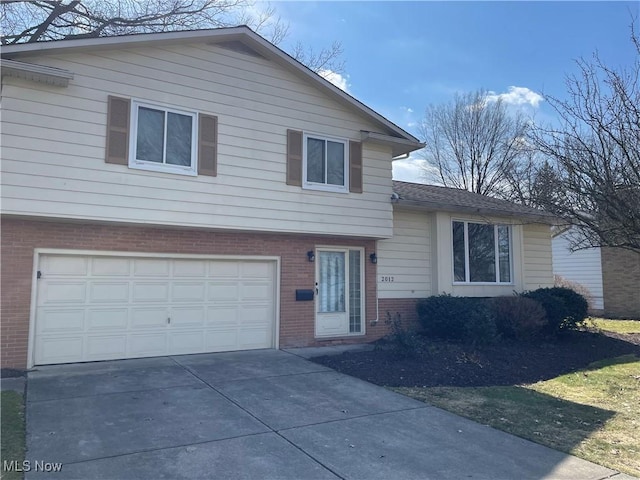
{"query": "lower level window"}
(481, 252)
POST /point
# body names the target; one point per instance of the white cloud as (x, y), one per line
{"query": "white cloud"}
(412, 169)
(340, 81)
(517, 96)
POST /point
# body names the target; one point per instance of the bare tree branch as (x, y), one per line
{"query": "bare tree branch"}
(25, 21)
(474, 143)
(596, 153)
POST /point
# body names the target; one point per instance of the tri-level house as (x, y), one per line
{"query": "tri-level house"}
(202, 191)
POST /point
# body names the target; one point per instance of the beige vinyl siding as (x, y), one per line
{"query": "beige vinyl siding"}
(538, 270)
(404, 261)
(53, 143)
(582, 266)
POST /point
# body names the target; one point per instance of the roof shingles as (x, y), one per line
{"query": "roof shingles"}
(433, 197)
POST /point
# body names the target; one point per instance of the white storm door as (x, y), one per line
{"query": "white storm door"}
(338, 292)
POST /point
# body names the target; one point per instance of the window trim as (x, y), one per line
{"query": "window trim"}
(467, 280)
(134, 163)
(324, 186)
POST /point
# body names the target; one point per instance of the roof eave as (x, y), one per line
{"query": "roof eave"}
(487, 212)
(399, 146)
(213, 36)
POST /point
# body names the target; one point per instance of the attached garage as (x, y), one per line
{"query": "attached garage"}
(108, 306)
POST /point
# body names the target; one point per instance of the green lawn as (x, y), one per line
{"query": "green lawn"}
(12, 434)
(593, 413)
(617, 326)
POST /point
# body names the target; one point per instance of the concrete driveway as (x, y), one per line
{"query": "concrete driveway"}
(258, 415)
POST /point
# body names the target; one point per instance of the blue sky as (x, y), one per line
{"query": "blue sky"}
(402, 56)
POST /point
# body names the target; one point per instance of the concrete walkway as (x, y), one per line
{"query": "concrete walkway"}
(261, 415)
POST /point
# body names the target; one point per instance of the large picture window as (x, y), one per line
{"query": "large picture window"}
(163, 139)
(325, 163)
(481, 253)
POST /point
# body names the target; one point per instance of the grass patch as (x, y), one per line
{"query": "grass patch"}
(617, 326)
(12, 431)
(593, 413)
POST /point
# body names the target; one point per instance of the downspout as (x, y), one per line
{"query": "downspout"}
(375, 322)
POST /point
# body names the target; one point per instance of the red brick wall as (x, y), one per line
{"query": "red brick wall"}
(21, 237)
(406, 307)
(621, 282)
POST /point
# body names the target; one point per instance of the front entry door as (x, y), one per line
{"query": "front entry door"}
(339, 292)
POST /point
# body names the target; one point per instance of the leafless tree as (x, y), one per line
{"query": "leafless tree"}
(327, 59)
(474, 143)
(26, 21)
(596, 153)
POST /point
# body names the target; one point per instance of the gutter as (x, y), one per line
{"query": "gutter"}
(399, 146)
(36, 73)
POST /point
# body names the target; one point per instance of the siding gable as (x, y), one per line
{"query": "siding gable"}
(255, 103)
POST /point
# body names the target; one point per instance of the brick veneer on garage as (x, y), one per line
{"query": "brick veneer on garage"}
(21, 237)
(621, 282)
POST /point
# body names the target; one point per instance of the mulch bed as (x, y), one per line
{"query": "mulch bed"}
(439, 363)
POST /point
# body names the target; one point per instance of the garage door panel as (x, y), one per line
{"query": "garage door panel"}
(256, 270)
(106, 347)
(223, 291)
(60, 320)
(151, 267)
(256, 291)
(149, 317)
(182, 343)
(188, 292)
(109, 292)
(107, 319)
(59, 349)
(187, 317)
(221, 269)
(189, 268)
(57, 292)
(110, 266)
(151, 291)
(254, 337)
(219, 340)
(64, 265)
(222, 315)
(256, 314)
(108, 307)
(148, 344)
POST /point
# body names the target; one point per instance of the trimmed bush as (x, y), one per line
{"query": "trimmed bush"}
(560, 281)
(565, 308)
(463, 319)
(518, 318)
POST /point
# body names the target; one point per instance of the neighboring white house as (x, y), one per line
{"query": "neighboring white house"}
(202, 191)
(612, 275)
(581, 266)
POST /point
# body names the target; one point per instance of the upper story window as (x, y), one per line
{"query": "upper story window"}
(325, 163)
(481, 253)
(163, 139)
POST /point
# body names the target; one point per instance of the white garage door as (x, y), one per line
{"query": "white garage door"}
(102, 307)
